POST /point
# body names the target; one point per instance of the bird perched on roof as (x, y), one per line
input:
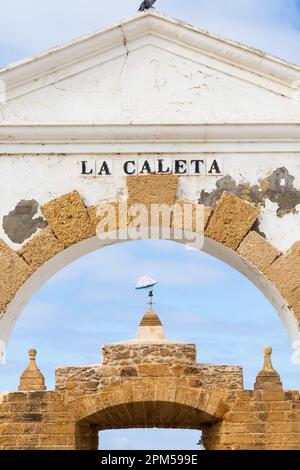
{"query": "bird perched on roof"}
(146, 4)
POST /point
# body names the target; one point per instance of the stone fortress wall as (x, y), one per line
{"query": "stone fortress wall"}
(150, 382)
(122, 361)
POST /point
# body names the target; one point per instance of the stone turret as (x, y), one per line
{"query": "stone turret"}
(32, 379)
(268, 378)
(150, 354)
(151, 328)
(149, 346)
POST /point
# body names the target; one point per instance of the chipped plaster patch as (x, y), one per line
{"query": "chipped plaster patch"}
(20, 224)
(278, 188)
(283, 231)
(227, 183)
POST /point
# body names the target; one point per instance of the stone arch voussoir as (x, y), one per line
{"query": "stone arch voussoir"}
(229, 224)
(119, 399)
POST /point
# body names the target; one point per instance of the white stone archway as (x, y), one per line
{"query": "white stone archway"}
(147, 89)
(211, 247)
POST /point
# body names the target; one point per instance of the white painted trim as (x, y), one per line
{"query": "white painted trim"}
(144, 148)
(151, 132)
(150, 138)
(85, 52)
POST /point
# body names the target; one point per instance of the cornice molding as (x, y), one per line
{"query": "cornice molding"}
(150, 138)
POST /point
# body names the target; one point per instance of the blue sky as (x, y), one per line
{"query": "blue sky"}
(30, 26)
(199, 298)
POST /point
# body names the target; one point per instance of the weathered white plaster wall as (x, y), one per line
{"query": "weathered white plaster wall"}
(149, 73)
(45, 177)
(152, 85)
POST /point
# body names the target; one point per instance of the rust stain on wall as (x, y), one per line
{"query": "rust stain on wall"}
(20, 223)
(278, 188)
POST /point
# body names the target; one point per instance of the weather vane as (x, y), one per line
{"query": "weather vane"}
(147, 284)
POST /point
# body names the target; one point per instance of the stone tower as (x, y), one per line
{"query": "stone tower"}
(148, 349)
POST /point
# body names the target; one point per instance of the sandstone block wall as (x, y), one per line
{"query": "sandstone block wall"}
(197, 376)
(257, 420)
(77, 380)
(231, 221)
(152, 189)
(36, 420)
(214, 377)
(125, 361)
(14, 271)
(41, 248)
(230, 419)
(135, 353)
(68, 218)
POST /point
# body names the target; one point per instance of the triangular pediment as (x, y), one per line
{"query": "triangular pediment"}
(148, 69)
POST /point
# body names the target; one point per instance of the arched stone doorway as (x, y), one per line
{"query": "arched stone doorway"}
(150, 383)
(159, 406)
